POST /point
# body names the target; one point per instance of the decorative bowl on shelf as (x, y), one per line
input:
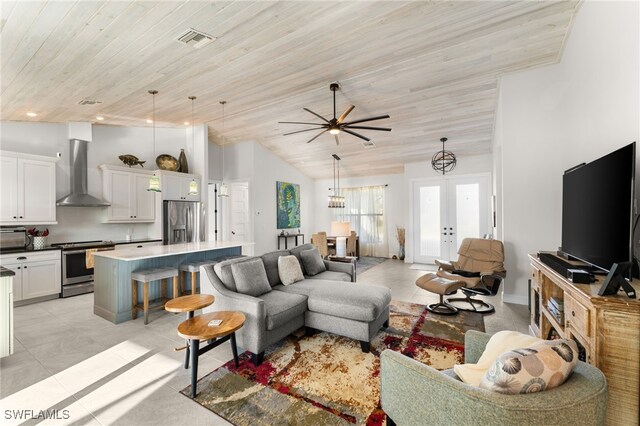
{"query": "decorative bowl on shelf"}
(167, 162)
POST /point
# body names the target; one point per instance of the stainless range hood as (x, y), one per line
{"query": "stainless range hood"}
(79, 196)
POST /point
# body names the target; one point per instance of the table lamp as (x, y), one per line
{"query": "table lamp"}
(340, 230)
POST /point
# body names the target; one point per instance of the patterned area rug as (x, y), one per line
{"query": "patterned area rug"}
(326, 379)
(368, 262)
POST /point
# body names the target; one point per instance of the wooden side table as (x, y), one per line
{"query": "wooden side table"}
(197, 328)
(189, 304)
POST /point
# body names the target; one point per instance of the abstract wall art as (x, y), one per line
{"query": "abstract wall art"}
(288, 205)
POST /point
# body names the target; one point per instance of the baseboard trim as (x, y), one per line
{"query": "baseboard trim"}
(106, 314)
(515, 299)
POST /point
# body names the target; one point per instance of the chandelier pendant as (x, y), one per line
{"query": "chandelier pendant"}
(443, 161)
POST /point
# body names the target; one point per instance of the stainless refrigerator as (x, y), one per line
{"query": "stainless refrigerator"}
(182, 222)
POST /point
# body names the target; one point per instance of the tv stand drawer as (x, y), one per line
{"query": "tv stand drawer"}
(577, 315)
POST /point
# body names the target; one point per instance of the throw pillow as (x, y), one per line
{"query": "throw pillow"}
(251, 277)
(498, 344)
(312, 261)
(542, 366)
(289, 270)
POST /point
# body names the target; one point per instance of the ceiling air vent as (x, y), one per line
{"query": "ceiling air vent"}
(89, 102)
(368, 144)
(195, 38)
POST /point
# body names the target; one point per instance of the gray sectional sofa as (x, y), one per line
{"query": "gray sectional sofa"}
(329, 301)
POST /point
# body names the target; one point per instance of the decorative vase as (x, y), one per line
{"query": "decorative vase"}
(182, 160)
(39, 243)
(401, 252)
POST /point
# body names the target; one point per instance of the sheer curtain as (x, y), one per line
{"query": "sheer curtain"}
(364, 208)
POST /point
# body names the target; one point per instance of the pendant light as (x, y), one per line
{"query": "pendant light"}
(193, 185)
(224, 189)
(336, 201)
(443, 161)
(154, 181)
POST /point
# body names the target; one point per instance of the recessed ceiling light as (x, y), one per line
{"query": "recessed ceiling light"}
(149, 121)
(186, 123)
(99, 117)
(31, 114)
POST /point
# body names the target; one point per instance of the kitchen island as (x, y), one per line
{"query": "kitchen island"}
(112, 271)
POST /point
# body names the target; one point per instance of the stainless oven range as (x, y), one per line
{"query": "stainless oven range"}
(76, 277)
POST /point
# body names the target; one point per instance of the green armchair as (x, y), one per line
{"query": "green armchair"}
(413, 393)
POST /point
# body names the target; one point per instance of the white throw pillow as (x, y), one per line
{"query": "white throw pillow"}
(499, 343)
(289, 270)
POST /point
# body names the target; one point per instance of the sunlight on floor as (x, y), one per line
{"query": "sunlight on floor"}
(103, 382)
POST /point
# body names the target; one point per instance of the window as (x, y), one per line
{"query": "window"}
(364, 209)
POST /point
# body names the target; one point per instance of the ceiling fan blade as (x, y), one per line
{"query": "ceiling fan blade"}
(385, 129)
(301, 131)
(300, 122)
(337, 140)
(318, 135)
(345, 113)
(317, 115)
(379, 117)
(356, 134)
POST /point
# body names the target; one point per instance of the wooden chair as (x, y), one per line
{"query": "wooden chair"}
(351, 244)
(320, 240)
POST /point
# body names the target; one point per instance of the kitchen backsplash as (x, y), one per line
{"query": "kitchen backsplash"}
(84, 224)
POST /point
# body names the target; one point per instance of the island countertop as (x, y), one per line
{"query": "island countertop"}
(151, 252)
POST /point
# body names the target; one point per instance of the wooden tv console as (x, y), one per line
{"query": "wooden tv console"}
(607, 328)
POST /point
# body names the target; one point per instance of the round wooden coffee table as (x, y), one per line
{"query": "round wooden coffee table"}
(198, 328)
(189, 304)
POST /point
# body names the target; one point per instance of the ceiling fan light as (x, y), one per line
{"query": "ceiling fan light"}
(334, 131)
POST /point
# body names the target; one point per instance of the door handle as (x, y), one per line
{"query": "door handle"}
(233, 233)
(22, 258)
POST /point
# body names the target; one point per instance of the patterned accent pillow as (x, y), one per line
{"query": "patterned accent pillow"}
(544, 365)
(289, 270)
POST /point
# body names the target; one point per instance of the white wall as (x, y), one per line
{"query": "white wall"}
(108, 142)
(394, 208)
(553, 118)
(251, 162)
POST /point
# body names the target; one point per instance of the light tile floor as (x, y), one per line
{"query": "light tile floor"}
(67, 358)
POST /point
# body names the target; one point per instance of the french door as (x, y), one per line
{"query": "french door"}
(445, 211)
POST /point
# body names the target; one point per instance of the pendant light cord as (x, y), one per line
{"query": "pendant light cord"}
(153, 124)
(223, 103)
(193, 137)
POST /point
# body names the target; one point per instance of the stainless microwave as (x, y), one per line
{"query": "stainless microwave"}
(14, 238)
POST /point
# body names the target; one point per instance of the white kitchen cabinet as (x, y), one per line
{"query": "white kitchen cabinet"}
(28, 189)
(126, 190)
(175, 186)
(6, 316)
(38, 274)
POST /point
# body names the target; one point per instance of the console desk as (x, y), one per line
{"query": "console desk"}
(286, 237)
(606, 328)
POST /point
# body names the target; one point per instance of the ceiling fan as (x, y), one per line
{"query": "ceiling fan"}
(337, 125)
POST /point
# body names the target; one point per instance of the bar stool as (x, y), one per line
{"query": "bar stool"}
(146, 276)
(194, 269)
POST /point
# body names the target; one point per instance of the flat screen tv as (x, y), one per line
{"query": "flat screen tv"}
(597, 209)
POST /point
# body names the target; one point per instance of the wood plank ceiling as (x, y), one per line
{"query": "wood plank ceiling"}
(433, 66)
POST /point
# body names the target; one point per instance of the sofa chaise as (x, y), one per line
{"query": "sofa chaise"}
(329, 301)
